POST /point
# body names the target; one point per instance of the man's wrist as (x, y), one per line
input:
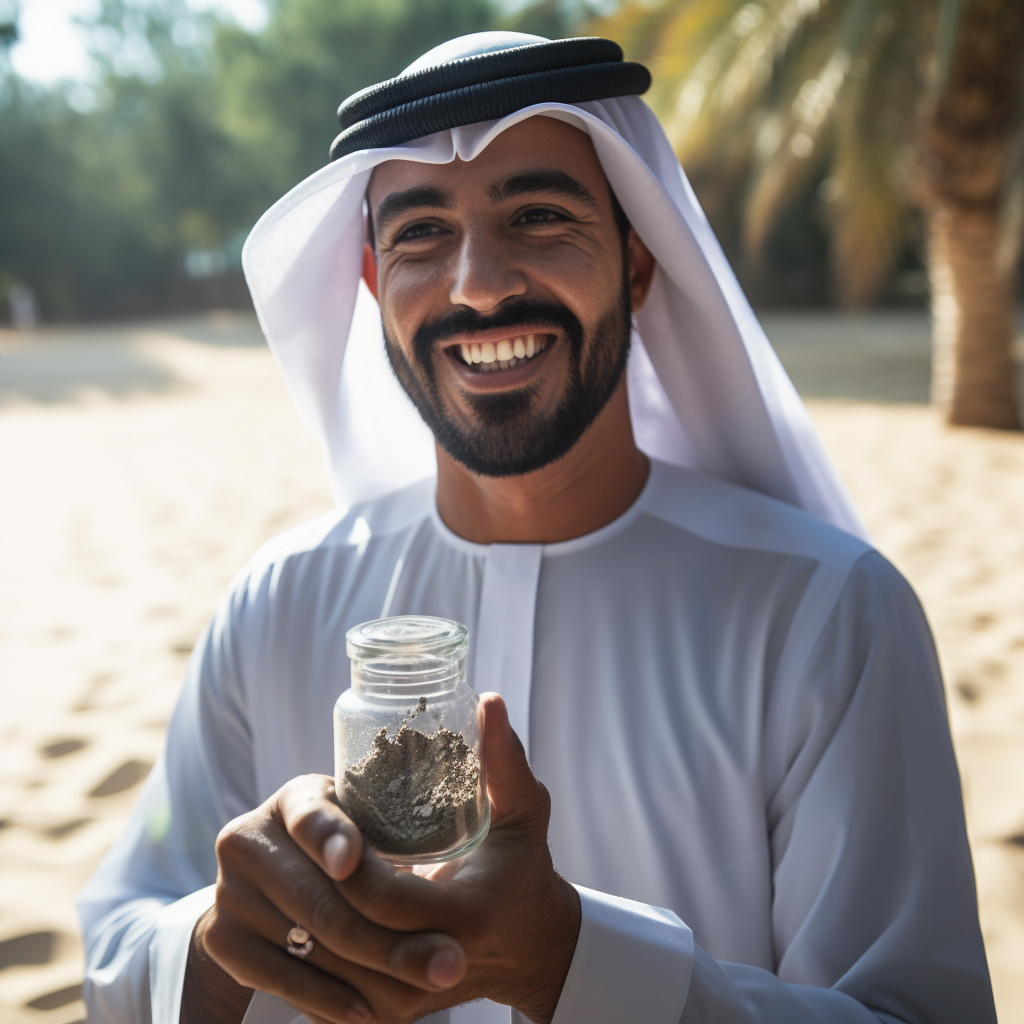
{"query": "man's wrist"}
(562, 929)
(209, 994)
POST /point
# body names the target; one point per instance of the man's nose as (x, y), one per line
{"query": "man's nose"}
(485, 274)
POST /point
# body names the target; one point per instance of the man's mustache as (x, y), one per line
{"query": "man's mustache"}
(515, 313)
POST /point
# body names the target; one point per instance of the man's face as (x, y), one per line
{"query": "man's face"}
(504, 295)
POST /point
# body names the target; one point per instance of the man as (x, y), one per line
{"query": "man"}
(752, 810)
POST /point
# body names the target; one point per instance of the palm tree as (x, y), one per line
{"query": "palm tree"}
(903, 104)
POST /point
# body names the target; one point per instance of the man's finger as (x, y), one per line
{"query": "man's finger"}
(406, 902)
(427, 961)
(512, 787)
(309, 810)
(259, 964)
(271, 885)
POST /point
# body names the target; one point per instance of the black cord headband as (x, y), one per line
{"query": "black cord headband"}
(485, 87)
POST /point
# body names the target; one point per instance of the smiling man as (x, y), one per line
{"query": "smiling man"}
(506, 286)
(484, 332)
(720, 774)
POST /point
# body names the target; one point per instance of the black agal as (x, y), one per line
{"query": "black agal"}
(484, 87)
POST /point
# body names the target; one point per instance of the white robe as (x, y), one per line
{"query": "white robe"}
(735, 706)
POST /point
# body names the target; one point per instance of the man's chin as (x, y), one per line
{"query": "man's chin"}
(506, 411)
(514, 447)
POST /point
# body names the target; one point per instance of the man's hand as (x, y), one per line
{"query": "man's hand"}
(516, 919)
(390, 945)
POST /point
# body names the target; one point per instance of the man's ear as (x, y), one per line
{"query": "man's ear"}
(641, 269)
(370, 269)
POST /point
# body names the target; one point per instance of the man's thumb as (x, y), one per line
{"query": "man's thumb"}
(511, 785)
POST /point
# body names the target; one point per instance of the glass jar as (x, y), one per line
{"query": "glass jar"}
(409, 770)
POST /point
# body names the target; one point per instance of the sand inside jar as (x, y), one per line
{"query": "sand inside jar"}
(414, 793)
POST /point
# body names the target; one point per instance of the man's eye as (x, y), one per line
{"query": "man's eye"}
(541, 217)
(415, 231)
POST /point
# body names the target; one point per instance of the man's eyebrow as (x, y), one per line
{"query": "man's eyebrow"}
(543, 180)
(395, 204)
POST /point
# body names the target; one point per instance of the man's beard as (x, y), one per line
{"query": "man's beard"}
(511, 440)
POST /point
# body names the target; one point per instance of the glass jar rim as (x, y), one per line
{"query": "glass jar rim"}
(407, 635)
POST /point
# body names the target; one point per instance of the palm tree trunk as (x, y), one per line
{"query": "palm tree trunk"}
(973, 371)
(966, 149)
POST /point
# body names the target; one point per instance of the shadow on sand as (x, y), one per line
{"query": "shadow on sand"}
(876, 357)
(883, 356)
(58, 364)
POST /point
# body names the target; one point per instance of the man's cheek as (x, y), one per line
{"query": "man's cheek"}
(579, 279)
(397, 337)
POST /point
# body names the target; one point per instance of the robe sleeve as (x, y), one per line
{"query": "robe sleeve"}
(874, 916)
(140, 906)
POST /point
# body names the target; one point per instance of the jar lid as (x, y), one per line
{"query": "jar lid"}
(408, 635)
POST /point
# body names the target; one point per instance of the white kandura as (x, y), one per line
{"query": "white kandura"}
(735, 706)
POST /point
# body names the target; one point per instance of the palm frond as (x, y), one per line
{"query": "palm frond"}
(868, 211)
(734, 70)
(758, 96)
(795, 135)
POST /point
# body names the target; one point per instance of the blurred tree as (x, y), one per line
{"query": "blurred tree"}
(893, 104)
(280, 89)
(94, 202)
(553, 19)
(135, 199)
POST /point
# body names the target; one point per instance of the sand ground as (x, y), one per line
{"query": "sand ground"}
(143, 464)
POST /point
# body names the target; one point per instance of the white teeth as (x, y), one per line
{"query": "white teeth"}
(502, 355)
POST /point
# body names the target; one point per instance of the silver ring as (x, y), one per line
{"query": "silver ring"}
(299, 942)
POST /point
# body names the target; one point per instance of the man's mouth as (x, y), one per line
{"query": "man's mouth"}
(489, 356)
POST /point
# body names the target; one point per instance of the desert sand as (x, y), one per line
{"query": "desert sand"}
(143, 464)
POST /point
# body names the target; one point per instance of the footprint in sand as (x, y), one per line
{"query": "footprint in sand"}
(28, 950)
(65, 828)
(131, 773)
(55, 1000)
(61, 748)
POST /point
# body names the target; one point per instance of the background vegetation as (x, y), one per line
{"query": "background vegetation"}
(136, 199)
(896, 115)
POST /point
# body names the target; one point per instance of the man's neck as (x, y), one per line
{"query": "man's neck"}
(593, 484)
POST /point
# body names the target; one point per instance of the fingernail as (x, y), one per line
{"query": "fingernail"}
(444, 968)
(358, 1009)
(335, 854)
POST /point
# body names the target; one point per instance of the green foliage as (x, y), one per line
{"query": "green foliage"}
(8, 25)
(195, 129)
(771, 103)
(281, 89)
(553, 19)
(63, 228)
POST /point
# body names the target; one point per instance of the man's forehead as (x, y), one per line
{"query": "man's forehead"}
(538, 146)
